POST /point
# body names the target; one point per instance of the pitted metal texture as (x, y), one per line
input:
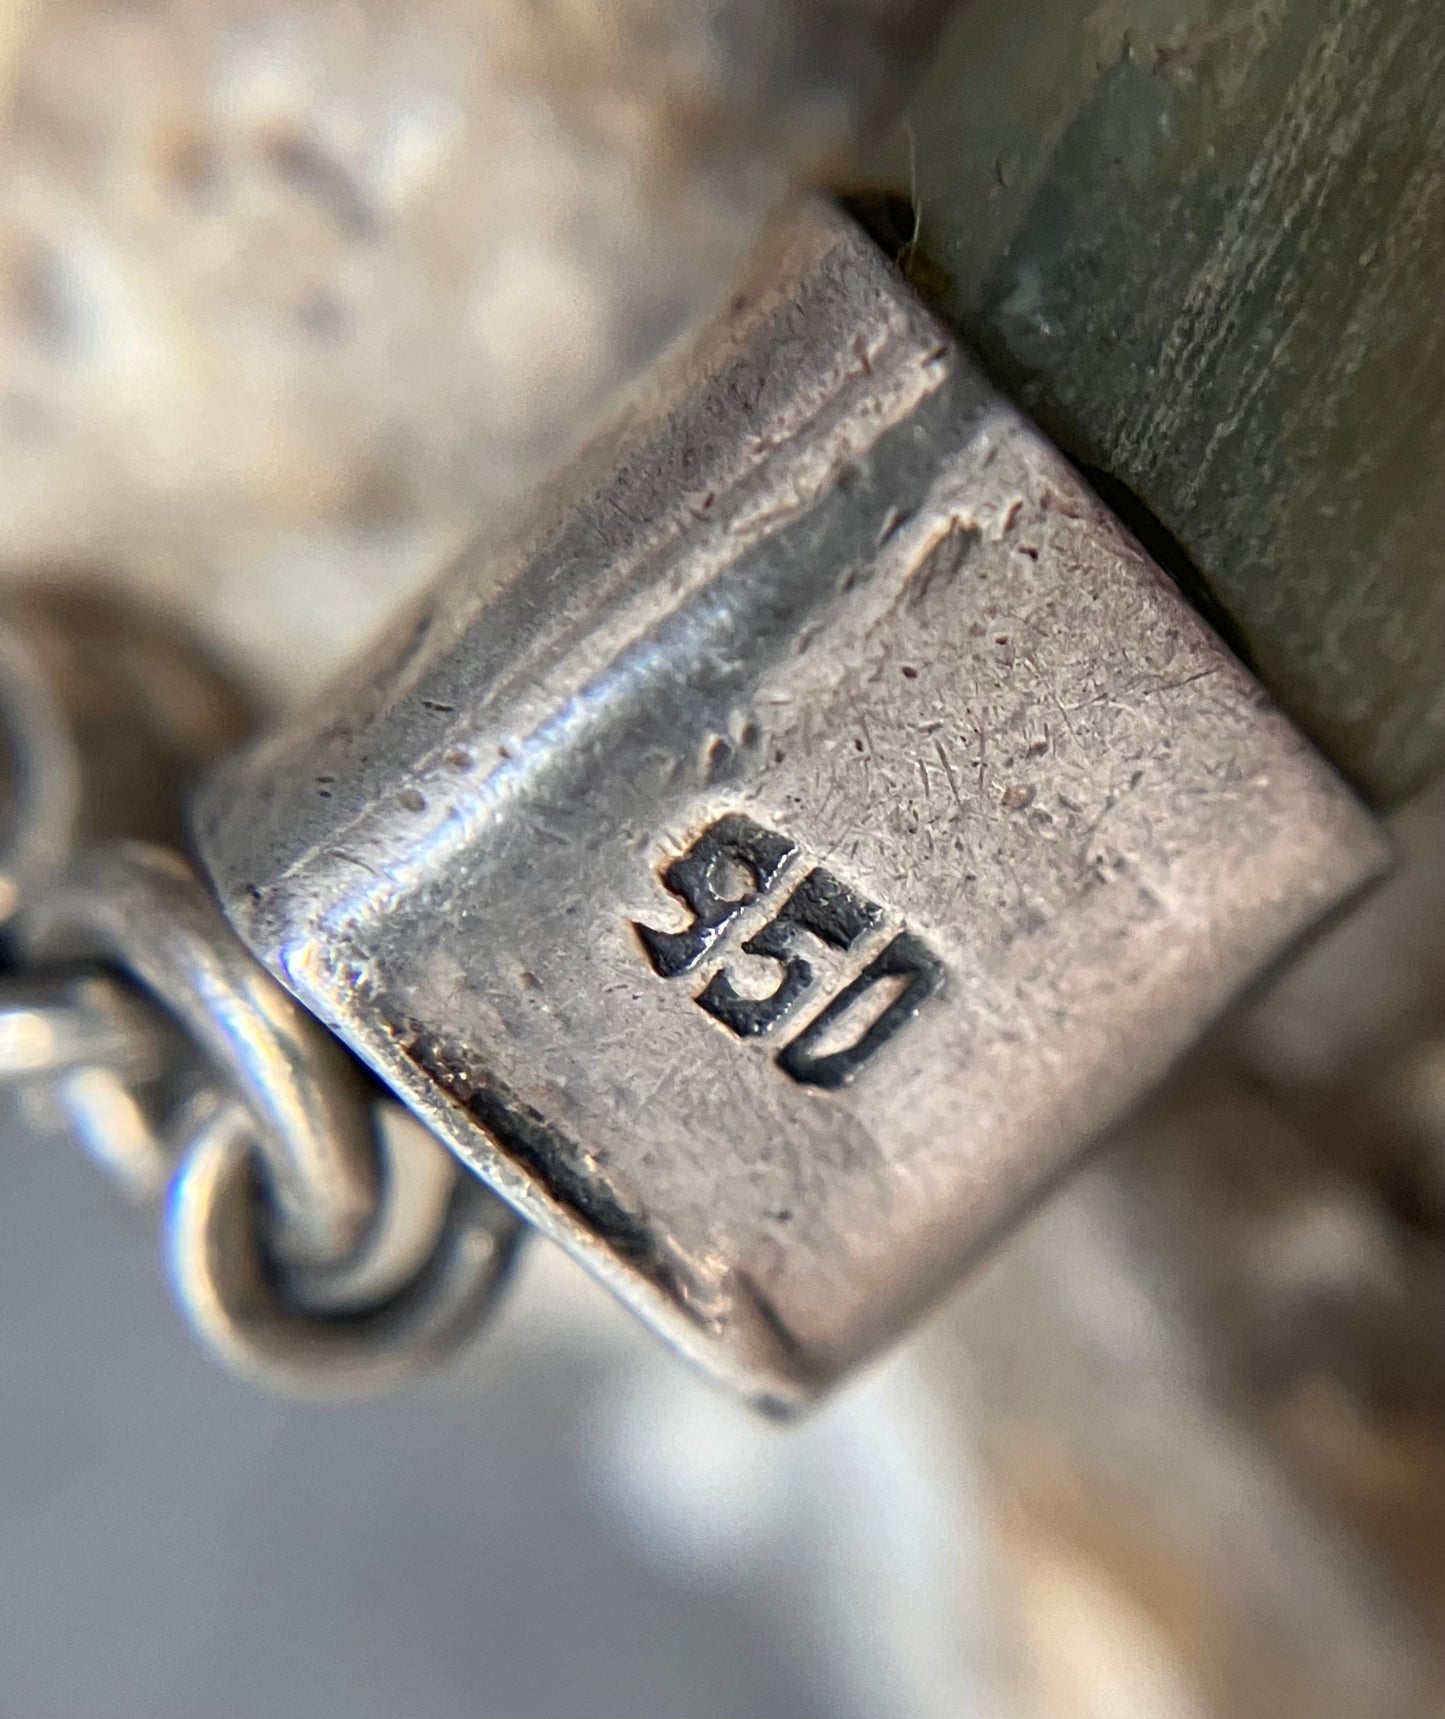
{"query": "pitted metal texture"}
(778, 857)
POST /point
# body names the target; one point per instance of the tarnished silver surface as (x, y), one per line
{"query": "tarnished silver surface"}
(218, 1251)
(319, 1240)
(810, 827)
(286, 1180)
(144, 909)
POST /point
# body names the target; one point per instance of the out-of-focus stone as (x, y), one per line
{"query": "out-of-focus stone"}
(293, 297)
(1203, 242)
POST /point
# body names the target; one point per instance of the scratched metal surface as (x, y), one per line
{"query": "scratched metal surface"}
(824, 577)
(1203, 241)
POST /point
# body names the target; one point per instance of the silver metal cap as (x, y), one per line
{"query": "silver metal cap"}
(784, 852)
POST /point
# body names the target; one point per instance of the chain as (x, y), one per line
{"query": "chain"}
(317, 1238)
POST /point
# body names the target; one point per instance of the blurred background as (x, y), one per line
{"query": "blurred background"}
(294, 298)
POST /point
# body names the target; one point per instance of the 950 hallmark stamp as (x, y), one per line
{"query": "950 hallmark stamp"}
(736, 862)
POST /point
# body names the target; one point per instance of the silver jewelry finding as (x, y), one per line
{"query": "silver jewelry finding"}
(771, 861)
(143, 1028)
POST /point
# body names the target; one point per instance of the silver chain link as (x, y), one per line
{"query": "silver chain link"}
(319, 1241)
